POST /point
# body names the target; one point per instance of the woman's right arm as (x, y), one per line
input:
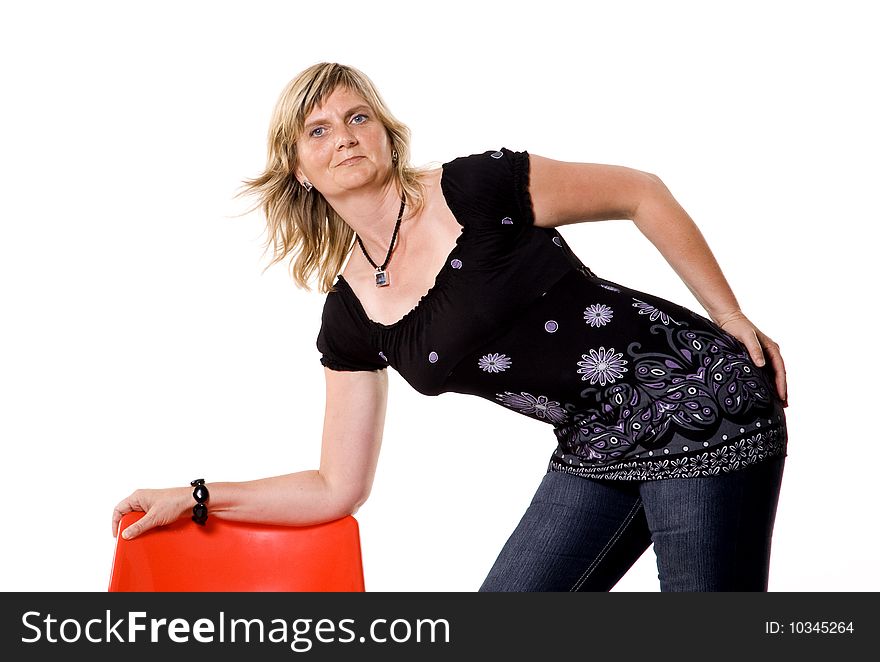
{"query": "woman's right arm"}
(354, 420)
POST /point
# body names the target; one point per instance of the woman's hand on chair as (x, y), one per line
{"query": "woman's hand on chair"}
(161, 507)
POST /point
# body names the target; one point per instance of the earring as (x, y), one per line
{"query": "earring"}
(394, 156)
(307, 185)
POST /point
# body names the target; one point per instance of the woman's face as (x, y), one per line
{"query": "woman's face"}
(344, 146)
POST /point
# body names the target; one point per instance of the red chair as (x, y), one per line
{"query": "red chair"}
(224, 555)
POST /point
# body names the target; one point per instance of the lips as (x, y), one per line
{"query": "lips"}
(352, 160)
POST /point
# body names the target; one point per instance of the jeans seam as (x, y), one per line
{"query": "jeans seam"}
(592, 567)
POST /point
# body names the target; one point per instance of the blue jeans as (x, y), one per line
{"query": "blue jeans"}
(710, 533)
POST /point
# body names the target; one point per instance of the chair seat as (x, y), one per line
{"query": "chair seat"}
(224, 555)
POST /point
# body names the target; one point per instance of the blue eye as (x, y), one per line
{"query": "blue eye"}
(320, 128)
(359, 115)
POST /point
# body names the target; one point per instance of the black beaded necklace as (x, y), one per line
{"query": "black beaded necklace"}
(381, 273)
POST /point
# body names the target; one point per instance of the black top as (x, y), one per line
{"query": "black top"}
(635, 386)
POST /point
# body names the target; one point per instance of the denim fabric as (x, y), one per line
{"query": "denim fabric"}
(710, 533)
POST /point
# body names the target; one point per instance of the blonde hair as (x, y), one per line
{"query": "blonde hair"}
(302, 223)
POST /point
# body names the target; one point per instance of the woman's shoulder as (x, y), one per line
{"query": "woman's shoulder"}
(485, 158)
(494, 166)
(488, 180)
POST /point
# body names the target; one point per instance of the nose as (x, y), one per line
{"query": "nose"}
(344, 137)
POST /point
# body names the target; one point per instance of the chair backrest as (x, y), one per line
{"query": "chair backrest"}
(224, 555)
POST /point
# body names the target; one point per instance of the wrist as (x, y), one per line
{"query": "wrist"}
(184, 500)
(724, 318)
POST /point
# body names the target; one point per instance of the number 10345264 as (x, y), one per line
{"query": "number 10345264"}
(809, 627)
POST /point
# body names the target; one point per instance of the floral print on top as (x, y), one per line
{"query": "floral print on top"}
(635, 387)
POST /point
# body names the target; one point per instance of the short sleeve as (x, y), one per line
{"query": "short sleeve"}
(344, 341)
(491, 190)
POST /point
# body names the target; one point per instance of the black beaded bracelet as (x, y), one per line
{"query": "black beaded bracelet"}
(200, 494)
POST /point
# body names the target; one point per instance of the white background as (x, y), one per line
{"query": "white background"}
(142, 346)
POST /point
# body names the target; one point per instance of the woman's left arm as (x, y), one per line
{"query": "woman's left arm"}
(673, 232)
(564, 193)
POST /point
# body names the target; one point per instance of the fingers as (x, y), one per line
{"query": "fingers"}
(145, 523)
(160, 507)
(121, 509)
(772, 349)
(129, 504)
(765, 349)
(136, 529)
(753, 345)
(779, 369)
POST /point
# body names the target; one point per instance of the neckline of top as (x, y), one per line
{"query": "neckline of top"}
(439, 279)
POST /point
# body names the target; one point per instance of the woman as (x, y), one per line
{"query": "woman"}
(670, 426)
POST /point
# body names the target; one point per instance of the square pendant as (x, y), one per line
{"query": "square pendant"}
(381, 278)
